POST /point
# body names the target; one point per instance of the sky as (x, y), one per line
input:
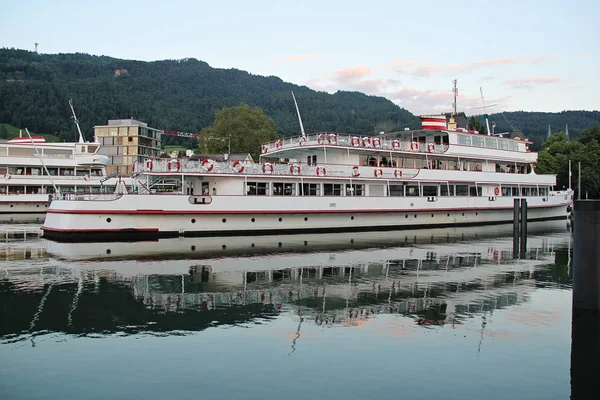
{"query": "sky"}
(522, 55)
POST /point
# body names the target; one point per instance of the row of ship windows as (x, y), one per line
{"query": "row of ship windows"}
(338, 189)
(33, 189)
(487, 141)
(51, 171)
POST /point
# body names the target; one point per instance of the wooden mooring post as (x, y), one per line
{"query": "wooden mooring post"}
(519, 227)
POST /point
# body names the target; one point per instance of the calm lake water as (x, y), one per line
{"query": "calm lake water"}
(448, 314)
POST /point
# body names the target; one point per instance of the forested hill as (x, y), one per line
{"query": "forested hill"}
(534, 125)
(178, 95)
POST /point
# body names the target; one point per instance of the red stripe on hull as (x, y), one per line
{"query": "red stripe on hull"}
(366, 211)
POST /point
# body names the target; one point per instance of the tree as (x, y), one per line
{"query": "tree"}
(240, 129)
(3, 132)
(475, 125)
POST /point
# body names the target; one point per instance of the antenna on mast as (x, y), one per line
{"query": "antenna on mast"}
(455, 91)
(487, 121)
(299, 118)
(36, 45)
(76, 122)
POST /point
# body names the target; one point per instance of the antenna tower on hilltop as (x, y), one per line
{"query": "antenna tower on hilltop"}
(455, 91)
(36, 45)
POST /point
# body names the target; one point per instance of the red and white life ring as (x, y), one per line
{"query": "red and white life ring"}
(86, 177)
(267, 168)
(397, 173)
(376, 142)
(295, 169)
(414, 146)
(431, 147)
(6, 176)
(207, 164)
(378, 173)
(395, 144)
(332, 138)
(238, 167)
(174, 165)
(264, 149)
(496, 191)
(279, 144)
(302, 141)
(149, 164)
(321, 138)
(355, 171)
(355, 141)
(321, 171)
(366, 141)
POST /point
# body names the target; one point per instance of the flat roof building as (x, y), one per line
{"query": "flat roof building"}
(125, 141)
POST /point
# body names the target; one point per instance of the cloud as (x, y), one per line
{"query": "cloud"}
(350, 74)
(528, 83)
(396, 64)
(424, 71)
(298, 58)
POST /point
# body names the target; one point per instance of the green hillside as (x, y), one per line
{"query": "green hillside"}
(8, 131)
(171, 94)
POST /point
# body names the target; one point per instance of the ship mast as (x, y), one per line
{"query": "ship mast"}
(299, 118)
(76, 122)
(455, 91)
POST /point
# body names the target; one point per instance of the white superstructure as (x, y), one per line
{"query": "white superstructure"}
(32, 170)
(327, 182)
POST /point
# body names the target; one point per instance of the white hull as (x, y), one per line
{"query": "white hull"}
(177, 215)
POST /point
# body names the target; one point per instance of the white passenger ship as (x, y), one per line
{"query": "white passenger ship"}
(438, 176)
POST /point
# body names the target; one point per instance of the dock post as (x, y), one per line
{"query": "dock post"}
(585, 328)
(516, 228)
(523, 227)
(586, 255)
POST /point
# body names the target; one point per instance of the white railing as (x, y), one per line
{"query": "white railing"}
(184, 166)
(355, 141)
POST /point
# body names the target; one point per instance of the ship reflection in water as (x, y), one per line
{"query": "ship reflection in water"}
(461, 283)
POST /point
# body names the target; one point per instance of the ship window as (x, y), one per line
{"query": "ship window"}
(464, 140)
(446, 190)
(376, 190)
(430, 190)
(503, 144)
(475, 191)
(67, 171)
(355, 190)
(525, 191)
(311, 189)
(332, 189)
(534, 191)
(477, 141)
(475, 166)
(412, 190)
(491, 143)
(284, 189)
(437, 139)
(396, 190)
(462, 190)
(311, 160)
(445, 139)
(452, 165)
(408, 162)
(257, 188)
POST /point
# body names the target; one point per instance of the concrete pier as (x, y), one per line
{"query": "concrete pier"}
(586, 255)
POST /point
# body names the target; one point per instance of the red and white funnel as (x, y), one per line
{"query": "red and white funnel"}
(433, 122)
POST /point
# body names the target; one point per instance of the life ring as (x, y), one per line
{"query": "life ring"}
(376, 142)
(321, 138)
(295, 169)
(355, 141)
(302, 141)
(86, 177)
(495, 255)
(397, 173)
(395, 144)
(378, 173)
(174, 165)
(279, 144)
(207, 164)
(332, 138)
(355, 171)
(321, 171)
(149, 164)
(267, 168)
(431, 147)
(238, 167)
(496, 191)
(414, 145)
(366, 141)
(6, 176)
(264, 149)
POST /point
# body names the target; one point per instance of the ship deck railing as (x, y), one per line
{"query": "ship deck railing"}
(207, 166)
(359, 142)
